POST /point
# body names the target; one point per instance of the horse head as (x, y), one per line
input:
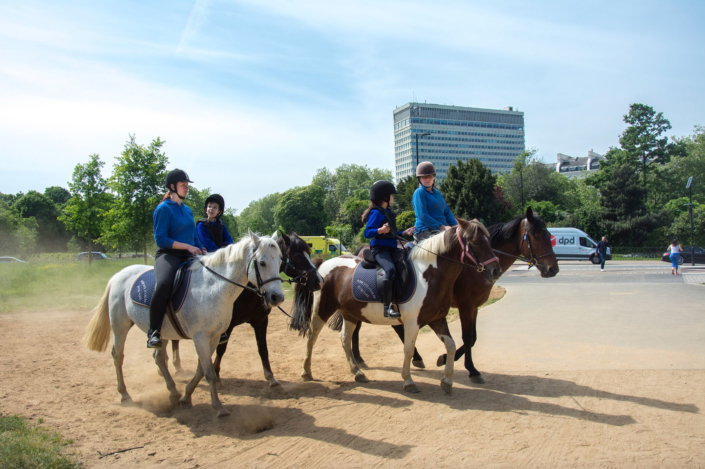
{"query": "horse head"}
(297, 262)
(263, 268)
(536, 245)
(474, 241)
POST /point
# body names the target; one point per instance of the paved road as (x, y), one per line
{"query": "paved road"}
(635, 315)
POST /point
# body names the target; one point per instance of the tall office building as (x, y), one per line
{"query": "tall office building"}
(495, 137)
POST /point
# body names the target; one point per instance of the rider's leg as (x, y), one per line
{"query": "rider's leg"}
(384, 259)
(165, 266)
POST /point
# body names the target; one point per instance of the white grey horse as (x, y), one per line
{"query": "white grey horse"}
(205, 314)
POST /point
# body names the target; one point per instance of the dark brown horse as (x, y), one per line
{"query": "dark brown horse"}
(524, 238)
(252, 309)
(437, 262)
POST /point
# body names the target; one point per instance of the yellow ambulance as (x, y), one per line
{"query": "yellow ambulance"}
(321, 245)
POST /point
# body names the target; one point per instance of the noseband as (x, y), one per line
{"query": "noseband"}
(467, 251)
(298, 275)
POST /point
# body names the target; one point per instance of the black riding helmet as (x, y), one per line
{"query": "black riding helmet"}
(381, 190)
(218, 199)
(175, 176)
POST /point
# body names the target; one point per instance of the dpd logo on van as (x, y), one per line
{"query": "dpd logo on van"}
(553, 241)
(563, 241)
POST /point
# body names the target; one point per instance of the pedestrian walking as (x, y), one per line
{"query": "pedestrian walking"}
(675, 250)
(602, 251)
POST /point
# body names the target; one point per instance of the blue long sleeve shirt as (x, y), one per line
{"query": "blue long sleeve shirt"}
(431, 210)
(174, 222)
(205, 236)
(374, 222)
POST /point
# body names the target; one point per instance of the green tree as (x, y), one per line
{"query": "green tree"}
(18, 235)
(406, 219)
(539, 181)
(84, 211)
(353, 209)
(623, 197)
(341, 184)
(343, 233)
(469, 191)
(680, 228)
(642, 140)
(683, 164)
(58, 195)
(138, 182)
(405, 189)
(301, 209)
(259, 215)
(51, 233)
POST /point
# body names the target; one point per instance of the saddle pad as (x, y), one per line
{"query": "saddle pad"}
(143, 289)
(364, 286)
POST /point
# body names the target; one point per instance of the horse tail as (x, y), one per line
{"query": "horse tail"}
(303, 306)
(336, 322)
(97, 333)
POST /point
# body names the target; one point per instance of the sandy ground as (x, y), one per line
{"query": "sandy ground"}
(519, 418)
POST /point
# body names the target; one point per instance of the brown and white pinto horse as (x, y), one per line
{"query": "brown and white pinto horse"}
(524, 238)
(437, 262)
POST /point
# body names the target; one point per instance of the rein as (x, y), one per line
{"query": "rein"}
(533, 260)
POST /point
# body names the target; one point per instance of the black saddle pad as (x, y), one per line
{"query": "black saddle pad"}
(365, 285)
(143, 288)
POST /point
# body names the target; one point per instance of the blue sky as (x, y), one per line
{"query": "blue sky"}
(253, 97)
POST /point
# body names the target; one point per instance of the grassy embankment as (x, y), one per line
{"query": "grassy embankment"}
(25, 446)
(61, 286)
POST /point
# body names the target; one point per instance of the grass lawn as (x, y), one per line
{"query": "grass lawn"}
(24, 446)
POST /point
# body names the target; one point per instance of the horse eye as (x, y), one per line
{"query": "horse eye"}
(262, 264)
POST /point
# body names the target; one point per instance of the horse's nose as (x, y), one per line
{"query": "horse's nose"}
(551, 271)
(276, 298)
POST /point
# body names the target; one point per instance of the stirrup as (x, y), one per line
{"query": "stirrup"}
(154, 339)
(391, 313)
(224, 337)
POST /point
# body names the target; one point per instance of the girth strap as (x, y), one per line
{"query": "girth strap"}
(175, 321)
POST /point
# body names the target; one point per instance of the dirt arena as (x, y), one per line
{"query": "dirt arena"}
(519, 418)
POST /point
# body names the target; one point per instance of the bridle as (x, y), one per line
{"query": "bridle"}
(468, 251)
(532, 260)
(297, 275)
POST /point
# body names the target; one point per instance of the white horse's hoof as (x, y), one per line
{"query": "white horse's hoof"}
(361, 378)
(306, 376)
(447, 386)
(274, 383)
(223, 412)
(412, 388)
(126, 399)
(361, 364)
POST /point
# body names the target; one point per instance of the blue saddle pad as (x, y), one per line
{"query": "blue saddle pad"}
(364, 285)
(143, 289)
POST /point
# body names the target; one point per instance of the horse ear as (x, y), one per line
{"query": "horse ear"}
(529, 212)
(287, 239)
(275, 236)
(254, 238)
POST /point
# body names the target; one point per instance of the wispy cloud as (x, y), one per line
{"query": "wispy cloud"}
(197, 18)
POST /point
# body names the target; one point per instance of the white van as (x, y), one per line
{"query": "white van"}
(573, 244)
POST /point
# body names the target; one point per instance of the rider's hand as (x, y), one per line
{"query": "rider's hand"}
(194, 250)
(204, 252)
(409, 231)
(384, 229)
(443, 227)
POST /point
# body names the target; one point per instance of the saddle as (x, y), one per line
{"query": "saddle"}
(368, 278)
(143, 288)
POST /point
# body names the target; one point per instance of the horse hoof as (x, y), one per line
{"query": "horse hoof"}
(477, 379)
(362, 364)
(419, 364)
(185, 402)
(412, 388)
(126, 400)
(175, 399)
(223, 412)
(274, 383)
(447, 387)
(441, 360)
(306, 376)
(361, 378)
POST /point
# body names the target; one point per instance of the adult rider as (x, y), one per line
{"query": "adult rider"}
(432, 212)
(175, 235)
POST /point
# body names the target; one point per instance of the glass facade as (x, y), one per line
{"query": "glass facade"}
(495, 137)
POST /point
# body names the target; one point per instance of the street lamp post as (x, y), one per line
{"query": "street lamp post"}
(689, 186)
(417, 152)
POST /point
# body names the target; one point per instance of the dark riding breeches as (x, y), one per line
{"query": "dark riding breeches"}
(165, 267)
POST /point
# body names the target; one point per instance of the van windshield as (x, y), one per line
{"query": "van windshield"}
(587, 242)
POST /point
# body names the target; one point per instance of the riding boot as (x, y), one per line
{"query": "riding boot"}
(223, 338)
(154, 339)
(389, 311)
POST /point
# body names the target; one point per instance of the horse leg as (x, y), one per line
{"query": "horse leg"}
(221, 349)
(417, 361)
(118, 357)
(469, 339)
(411, 331)
(314, 329)
(260, 327)
(440, 327)
(205, 348)
(160, 359)
(346, 334)
(176, 359)
(356, 346)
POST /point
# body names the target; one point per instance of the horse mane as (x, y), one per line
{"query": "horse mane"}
(231, 253)
(299, 243)
(437, 244)
(506, 232)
